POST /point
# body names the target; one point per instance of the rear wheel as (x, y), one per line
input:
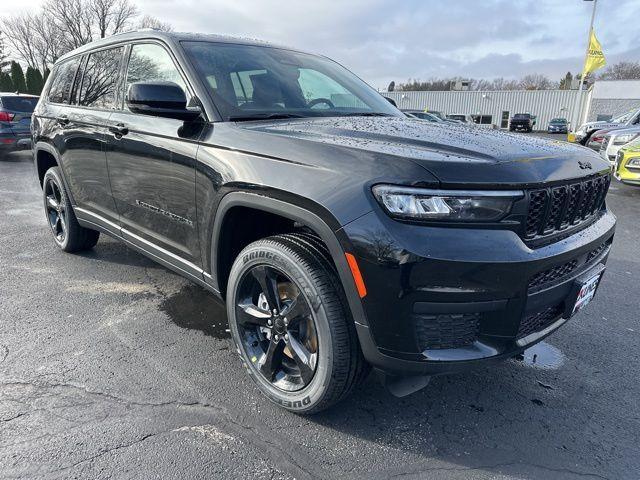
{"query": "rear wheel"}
(67, 232)
(290, 324)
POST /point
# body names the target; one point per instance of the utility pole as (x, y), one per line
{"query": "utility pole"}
(578, 104)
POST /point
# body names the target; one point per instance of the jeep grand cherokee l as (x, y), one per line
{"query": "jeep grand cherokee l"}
(341, 233)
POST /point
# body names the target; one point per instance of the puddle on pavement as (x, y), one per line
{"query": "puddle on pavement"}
(542, 356)
(195, 308)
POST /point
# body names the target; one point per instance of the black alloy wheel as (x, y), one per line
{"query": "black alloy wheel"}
(291, 325)
(68, 234)
(277, 328)
(55, 206)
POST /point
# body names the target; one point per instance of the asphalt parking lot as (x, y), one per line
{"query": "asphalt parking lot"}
(114, 367)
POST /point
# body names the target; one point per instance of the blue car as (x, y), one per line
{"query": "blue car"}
(15, 121)
(558, 125)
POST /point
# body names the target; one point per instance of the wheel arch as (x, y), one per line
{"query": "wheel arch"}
(298, 215)
(45, 156)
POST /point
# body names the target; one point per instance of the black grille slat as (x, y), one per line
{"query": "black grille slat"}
(440, 331)
(575, 191)
(539, 321)
(557, 273)
(554, 209)
(537, 207)
(558, 200)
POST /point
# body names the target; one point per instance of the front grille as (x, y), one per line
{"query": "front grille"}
(441, 331)
(554, 209)
(557, 273)
(553, 274)
(539, 321)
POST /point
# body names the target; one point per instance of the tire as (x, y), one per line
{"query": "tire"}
(67, 232)
(299, 263)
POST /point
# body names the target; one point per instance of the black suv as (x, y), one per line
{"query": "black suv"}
(341, 233)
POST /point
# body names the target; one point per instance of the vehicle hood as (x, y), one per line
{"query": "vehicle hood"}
(452, 153)
(624, 131)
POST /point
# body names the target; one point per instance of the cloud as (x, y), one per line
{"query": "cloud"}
(384, 40)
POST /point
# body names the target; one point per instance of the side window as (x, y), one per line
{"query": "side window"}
(150, 62)
(100, 79)
(60, 90)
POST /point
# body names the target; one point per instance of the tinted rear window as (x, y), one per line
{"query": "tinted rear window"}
(63, 76)
(19, 104)
(522, 116)
(100, 79)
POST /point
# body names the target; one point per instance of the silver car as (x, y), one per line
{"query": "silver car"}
(616, 139)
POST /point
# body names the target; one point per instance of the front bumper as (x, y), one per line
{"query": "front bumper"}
(630, 176)
(442, 300)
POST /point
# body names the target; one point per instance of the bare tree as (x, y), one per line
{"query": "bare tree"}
(535, 81)
(74, 20)
(621, 71)
(149, 21)
(111, 16)
(35, 39)
(63, 25)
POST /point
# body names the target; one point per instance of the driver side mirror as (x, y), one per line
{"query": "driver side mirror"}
(160, 99)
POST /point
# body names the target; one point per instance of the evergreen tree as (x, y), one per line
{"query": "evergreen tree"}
(39, 82)
(17, 77)
(30, 81)
(6, 85)
(565, 83)
(34, 81)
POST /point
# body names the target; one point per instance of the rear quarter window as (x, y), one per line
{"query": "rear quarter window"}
(100, 79)
(63, 75)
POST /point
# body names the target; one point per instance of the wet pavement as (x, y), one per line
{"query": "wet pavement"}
(113, 367)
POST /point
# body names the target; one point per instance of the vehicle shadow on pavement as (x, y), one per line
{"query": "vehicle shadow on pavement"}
(507, 419)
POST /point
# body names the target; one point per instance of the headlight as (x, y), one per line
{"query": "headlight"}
(622, 139)
(445, 205)
(634, 163)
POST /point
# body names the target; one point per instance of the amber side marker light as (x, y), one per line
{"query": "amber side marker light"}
(357, 276)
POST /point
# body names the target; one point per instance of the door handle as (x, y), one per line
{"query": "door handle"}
(62, 120)
(119, 130)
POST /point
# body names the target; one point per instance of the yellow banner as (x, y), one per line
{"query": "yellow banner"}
(595, 57)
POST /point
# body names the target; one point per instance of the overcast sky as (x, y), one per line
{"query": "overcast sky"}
(384, 40)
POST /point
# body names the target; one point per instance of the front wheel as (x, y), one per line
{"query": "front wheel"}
(290, 324)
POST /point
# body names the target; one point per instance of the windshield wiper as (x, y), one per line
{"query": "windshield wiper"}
(263, 116)
(366, 114)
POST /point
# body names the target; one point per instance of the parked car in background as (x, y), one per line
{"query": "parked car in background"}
(461, 117)
(522, 121)
(586, 130)
(15, 121)
(627, 167)
(438, 114)
(422, 115)
(596, 139)
(558, 125)
(341, 234)
(615, 140)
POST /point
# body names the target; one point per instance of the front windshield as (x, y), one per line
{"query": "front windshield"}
(558, 120)
(624, 118)
(250, 82)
